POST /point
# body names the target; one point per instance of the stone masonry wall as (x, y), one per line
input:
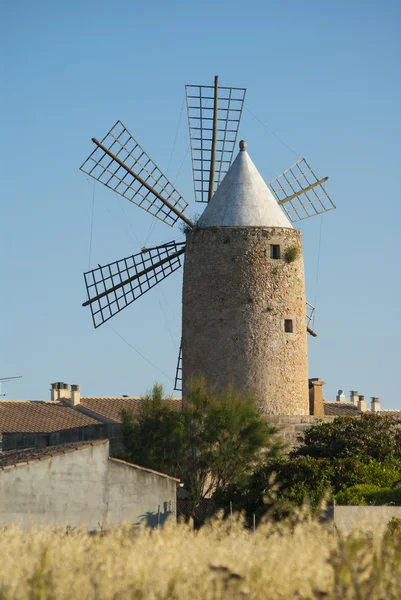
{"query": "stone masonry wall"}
(291, 428)
(235, 301)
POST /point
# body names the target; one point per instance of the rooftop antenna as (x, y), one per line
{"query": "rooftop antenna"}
(5, 379)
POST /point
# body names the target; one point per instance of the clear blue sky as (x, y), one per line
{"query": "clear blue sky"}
(324, 76)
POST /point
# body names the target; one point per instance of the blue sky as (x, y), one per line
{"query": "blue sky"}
(324, 76)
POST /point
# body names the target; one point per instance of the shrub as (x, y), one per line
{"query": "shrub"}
(369, 494)
(291, 254)
(358, 494)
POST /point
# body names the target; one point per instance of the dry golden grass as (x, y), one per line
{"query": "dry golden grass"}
(222, 560)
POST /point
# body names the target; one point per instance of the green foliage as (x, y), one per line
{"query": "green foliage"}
(275, 270)
(370, 495)
(359, 494)
(215, 440)
(145, 432)
(369, 437)
(353, 456)
(291, 254)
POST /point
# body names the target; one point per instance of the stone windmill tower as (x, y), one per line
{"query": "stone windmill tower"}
(244, 295)
(244, 305)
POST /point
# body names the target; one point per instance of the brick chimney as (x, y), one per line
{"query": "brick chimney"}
(316, 406)
(375, 404)
(75, 394)
(354, 397)
(361, 403)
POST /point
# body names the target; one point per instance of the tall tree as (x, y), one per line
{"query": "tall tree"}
(214, 440)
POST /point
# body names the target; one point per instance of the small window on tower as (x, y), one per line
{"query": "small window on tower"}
(274, 251)
(288, 326)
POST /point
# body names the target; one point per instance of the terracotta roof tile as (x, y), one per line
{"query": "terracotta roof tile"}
(112, 407)
(341, 409)
(388, 412)
(27, 416)
(16, 458)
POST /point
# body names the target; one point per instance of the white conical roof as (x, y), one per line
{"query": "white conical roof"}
(243, 199)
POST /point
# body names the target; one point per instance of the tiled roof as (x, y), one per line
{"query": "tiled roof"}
(27, 416)
(112, 407)
(15, 458)
(388, 412)
(341, 409)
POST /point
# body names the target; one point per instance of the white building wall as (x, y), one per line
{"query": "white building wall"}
(139, 494)
(83, 488)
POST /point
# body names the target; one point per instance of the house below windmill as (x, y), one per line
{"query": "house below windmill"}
(69, 417)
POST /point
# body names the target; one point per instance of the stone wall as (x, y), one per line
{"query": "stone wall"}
(291, 427)
(84, 487)
(235, 301)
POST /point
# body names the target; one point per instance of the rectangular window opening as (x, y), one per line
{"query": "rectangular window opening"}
(274, 251)
(288, 326)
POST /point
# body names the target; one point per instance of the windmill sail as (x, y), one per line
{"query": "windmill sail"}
(310, 312)
(300, 192)
(213, 127)
(114, 286)
(122, 165)
(178, 372)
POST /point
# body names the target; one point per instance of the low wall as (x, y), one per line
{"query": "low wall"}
(366, 518)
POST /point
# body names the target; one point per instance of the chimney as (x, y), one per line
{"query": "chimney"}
(53, 392)
(75, 394)
(353, 397)
(59, 390)
(63, 391)
(361, 403)
(375, 404)
(340, 396)
(316, 406)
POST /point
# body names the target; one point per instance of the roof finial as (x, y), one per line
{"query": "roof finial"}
(242, 146)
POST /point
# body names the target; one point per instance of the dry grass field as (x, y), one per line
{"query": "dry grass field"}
(222, 560)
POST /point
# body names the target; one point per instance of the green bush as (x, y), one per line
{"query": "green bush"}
(368, 437)
(368, 494)
(361, 493)
(383, 474)
(291, 254)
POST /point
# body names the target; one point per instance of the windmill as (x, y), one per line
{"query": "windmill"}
(243, 244)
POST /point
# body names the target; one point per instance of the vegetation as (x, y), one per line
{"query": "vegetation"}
(354, 460)
(223, 561)
(369, 494)
(291, 254)
(222, 448)
(216, 440)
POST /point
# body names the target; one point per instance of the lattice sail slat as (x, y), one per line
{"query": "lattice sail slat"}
(178, 372)
(108, 171)
(200, 110)
(300, 192)
(114, 286)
